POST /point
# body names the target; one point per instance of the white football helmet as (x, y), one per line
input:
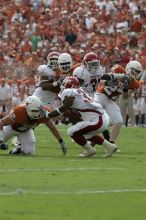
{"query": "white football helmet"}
(134, 68)
(91, 62)
(65, 62)
(33, 107)
(82, 75)
(52, 59)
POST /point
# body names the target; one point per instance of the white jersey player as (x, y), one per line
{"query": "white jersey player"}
(48, 74)
(93, 118)
(89, 73)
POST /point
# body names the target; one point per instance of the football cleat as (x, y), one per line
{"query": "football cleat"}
(88, 153)
(16, 150)
(110, 151)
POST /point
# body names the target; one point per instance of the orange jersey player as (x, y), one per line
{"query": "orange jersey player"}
(112, 86)
(21, 122)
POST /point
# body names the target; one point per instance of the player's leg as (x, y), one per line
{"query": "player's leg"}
(27, 141)
(113, 111)
(130, 108)
(84, 131)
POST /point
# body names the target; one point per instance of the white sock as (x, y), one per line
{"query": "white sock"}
(88, 146)
(107, 145)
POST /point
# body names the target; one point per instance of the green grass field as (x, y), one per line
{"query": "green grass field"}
(48, 186)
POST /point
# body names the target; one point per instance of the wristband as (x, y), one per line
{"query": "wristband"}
(60, 113)
(47, 115)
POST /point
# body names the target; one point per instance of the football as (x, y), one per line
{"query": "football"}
(73, 115)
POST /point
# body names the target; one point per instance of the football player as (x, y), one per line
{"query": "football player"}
(94, 119)
(112, 85)
(48, 74)
(21, 121)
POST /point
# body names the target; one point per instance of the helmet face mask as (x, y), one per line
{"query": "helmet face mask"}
(93, 66)
(65, 62)
(136, 73)
(33, 107)
(134, 69)
(91, 62)
(52, 59)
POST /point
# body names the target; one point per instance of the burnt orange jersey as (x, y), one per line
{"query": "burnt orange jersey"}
(21, 121)
(113, 92)
(134, 84)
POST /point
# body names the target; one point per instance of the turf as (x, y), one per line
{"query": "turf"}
(48, 186)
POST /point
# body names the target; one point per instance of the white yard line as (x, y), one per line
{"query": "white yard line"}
(21, 191)
(61, 169)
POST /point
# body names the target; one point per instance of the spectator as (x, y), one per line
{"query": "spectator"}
(70, 36)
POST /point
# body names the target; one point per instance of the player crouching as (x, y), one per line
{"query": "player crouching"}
(21, 122)
(93, 118)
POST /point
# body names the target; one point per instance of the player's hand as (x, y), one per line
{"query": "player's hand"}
(63, 148)
(59, 81)
(127, 81)
(3, 146)
(44, 113)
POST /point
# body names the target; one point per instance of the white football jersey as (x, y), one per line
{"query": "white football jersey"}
(83, 103)
(92, 79)
(47, 97)
(44, 70)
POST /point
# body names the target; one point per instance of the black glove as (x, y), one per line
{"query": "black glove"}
(59, 81)
(63, 148)
(107, 77)
(127, 81)
(3, 146)
(111, 83)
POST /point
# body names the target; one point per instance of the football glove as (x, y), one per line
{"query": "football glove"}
(63, 148)
(44, 113)
(111, 83)
(127, 81)
(3, 146)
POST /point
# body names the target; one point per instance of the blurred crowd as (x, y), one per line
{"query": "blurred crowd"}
(30, 29)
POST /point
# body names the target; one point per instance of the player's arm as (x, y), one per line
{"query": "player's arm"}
(45, 84)
(57, 135)
(6, 121)
(107, 79)
(66, 103)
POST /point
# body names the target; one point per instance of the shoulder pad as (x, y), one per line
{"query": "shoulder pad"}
(41, 69)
